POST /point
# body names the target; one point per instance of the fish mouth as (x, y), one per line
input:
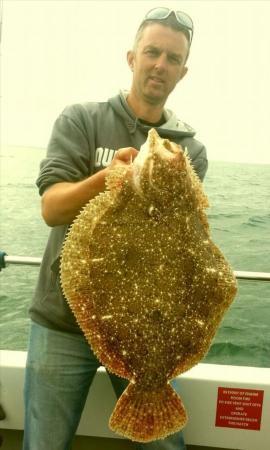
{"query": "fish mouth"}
(172, 148)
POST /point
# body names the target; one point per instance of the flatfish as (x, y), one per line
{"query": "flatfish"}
(147, 284)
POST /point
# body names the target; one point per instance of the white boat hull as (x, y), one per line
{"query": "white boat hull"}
(199, 388)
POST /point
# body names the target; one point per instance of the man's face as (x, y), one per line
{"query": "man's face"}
(158, 63)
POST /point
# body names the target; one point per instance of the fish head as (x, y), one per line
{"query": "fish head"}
(163, 172)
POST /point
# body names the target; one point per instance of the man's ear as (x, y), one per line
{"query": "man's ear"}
(183, 73)
(130, 58)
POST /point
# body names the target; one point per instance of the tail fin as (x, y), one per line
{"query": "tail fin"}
(145, 416)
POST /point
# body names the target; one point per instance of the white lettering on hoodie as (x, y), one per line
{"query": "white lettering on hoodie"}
(104, 156)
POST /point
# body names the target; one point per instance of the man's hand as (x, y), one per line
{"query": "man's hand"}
(62, 202)
(123, 156)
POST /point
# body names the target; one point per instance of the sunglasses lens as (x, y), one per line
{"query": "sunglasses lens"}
(162, 13)
(157, 14)
(184, 19)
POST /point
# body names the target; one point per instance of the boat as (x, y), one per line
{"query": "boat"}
(228, 406)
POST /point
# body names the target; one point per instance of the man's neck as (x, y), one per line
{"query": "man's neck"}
(143, 110)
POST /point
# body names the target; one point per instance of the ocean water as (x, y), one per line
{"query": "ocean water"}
(239, 217)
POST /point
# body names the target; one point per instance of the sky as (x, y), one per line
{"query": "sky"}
(58, 52)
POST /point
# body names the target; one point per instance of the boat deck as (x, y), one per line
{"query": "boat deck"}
(12, 440)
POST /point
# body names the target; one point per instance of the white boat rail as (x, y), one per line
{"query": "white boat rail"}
(22, 260)
(228, 406)
(36, 261)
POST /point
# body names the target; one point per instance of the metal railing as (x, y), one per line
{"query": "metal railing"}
(22, 260)
(36, 261)
(253, 276)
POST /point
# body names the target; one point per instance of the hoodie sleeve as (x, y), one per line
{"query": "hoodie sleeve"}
(198, 155)
(68, 154)
(200, 163)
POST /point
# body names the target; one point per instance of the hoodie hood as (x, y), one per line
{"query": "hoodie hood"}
(173, 127)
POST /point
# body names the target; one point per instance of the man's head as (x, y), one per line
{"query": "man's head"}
(176, 20)
(159, 54)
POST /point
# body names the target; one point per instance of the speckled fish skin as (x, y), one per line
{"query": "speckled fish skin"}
(146, 283)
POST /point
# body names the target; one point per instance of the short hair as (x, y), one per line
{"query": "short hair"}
(170, 22)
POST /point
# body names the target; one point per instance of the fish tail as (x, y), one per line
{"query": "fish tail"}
(145, 416)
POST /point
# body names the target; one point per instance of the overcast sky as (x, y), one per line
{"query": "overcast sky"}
(57, 52)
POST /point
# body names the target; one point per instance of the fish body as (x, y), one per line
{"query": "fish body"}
(147, 284)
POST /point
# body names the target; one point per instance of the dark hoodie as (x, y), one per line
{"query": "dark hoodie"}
(84, 140)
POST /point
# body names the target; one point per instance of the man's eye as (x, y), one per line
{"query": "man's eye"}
(174, 59)
(152, 52)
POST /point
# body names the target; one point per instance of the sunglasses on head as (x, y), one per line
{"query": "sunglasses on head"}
(185, 22)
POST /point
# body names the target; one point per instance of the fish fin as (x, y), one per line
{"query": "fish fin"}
(196, 182)
(116, 178)
(145, 416)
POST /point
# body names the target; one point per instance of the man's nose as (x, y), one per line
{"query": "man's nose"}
(161, 63)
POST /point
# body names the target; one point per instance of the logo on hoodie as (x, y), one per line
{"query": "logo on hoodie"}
(103, 156)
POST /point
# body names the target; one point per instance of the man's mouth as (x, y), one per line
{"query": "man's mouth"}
(156, 80)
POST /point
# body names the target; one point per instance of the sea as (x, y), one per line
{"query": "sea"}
(239, 217)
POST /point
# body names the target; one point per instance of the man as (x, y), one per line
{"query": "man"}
(87, 141)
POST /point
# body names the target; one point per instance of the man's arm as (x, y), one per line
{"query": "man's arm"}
(62, 202)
